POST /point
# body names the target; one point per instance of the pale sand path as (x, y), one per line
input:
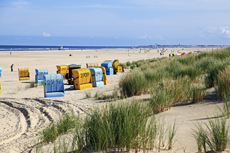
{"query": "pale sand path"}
(26, 111)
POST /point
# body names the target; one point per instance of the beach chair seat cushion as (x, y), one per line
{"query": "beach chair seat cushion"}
(24, 78)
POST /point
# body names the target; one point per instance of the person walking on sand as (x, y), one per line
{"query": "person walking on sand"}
(12, 67)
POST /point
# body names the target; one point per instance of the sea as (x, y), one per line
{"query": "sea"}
(48, 48)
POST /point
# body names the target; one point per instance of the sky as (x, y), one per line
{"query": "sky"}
(114, 22)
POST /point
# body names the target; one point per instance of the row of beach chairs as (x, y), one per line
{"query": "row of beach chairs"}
(82, 78)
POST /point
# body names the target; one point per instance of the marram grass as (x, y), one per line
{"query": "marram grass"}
(121, 126)
(148, 74)
(214, 134)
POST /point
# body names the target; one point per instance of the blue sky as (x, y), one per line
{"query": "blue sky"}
(114, 22)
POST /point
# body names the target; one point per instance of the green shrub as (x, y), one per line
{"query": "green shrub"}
(128, 63)
(124, 65)
(132, 67)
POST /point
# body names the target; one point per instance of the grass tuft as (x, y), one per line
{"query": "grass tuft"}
(67, 122)
(171, 135)
(87, 94)
(132, 84)
(215, 135)
(223, 83)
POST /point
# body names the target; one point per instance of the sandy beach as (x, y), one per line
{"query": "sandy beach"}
(24, 111)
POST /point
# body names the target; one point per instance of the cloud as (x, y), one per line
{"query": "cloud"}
(226, 31)
(46, 34)
(157, 37)
(96, 6)
(216, 32)
(100, 6)
(144, 37)
(19, 3)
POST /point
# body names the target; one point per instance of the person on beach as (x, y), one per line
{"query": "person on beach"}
(12, 66)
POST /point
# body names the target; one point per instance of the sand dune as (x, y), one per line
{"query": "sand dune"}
(25, 111)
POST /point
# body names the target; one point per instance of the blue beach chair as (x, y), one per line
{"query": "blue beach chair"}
(97, 76)
(108, 67)
(53, 86)
(40, 75)
(0, 71)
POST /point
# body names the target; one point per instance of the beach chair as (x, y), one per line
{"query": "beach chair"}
(69, 75)
(62, 69)
(39, 77)
(82, 78)
(104, 74)
(53, 86)
(24, 74)
(97, 76)
(0, 71)
(116, 67)
(108, 67)
(89, 65)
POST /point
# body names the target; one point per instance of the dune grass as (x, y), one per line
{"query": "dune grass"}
(123, 126)
(223, 83)
(226, 107)
(54, 130)
(32, 85)
(128, 63)
(214, 134)
(133, 84)
(87, 94)
(123, 65)
(97, 94)
(169, 92)
(120, 126)
(147, 75)
(217, 134)
(200, 136)
(109, 97)
(172, 130)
